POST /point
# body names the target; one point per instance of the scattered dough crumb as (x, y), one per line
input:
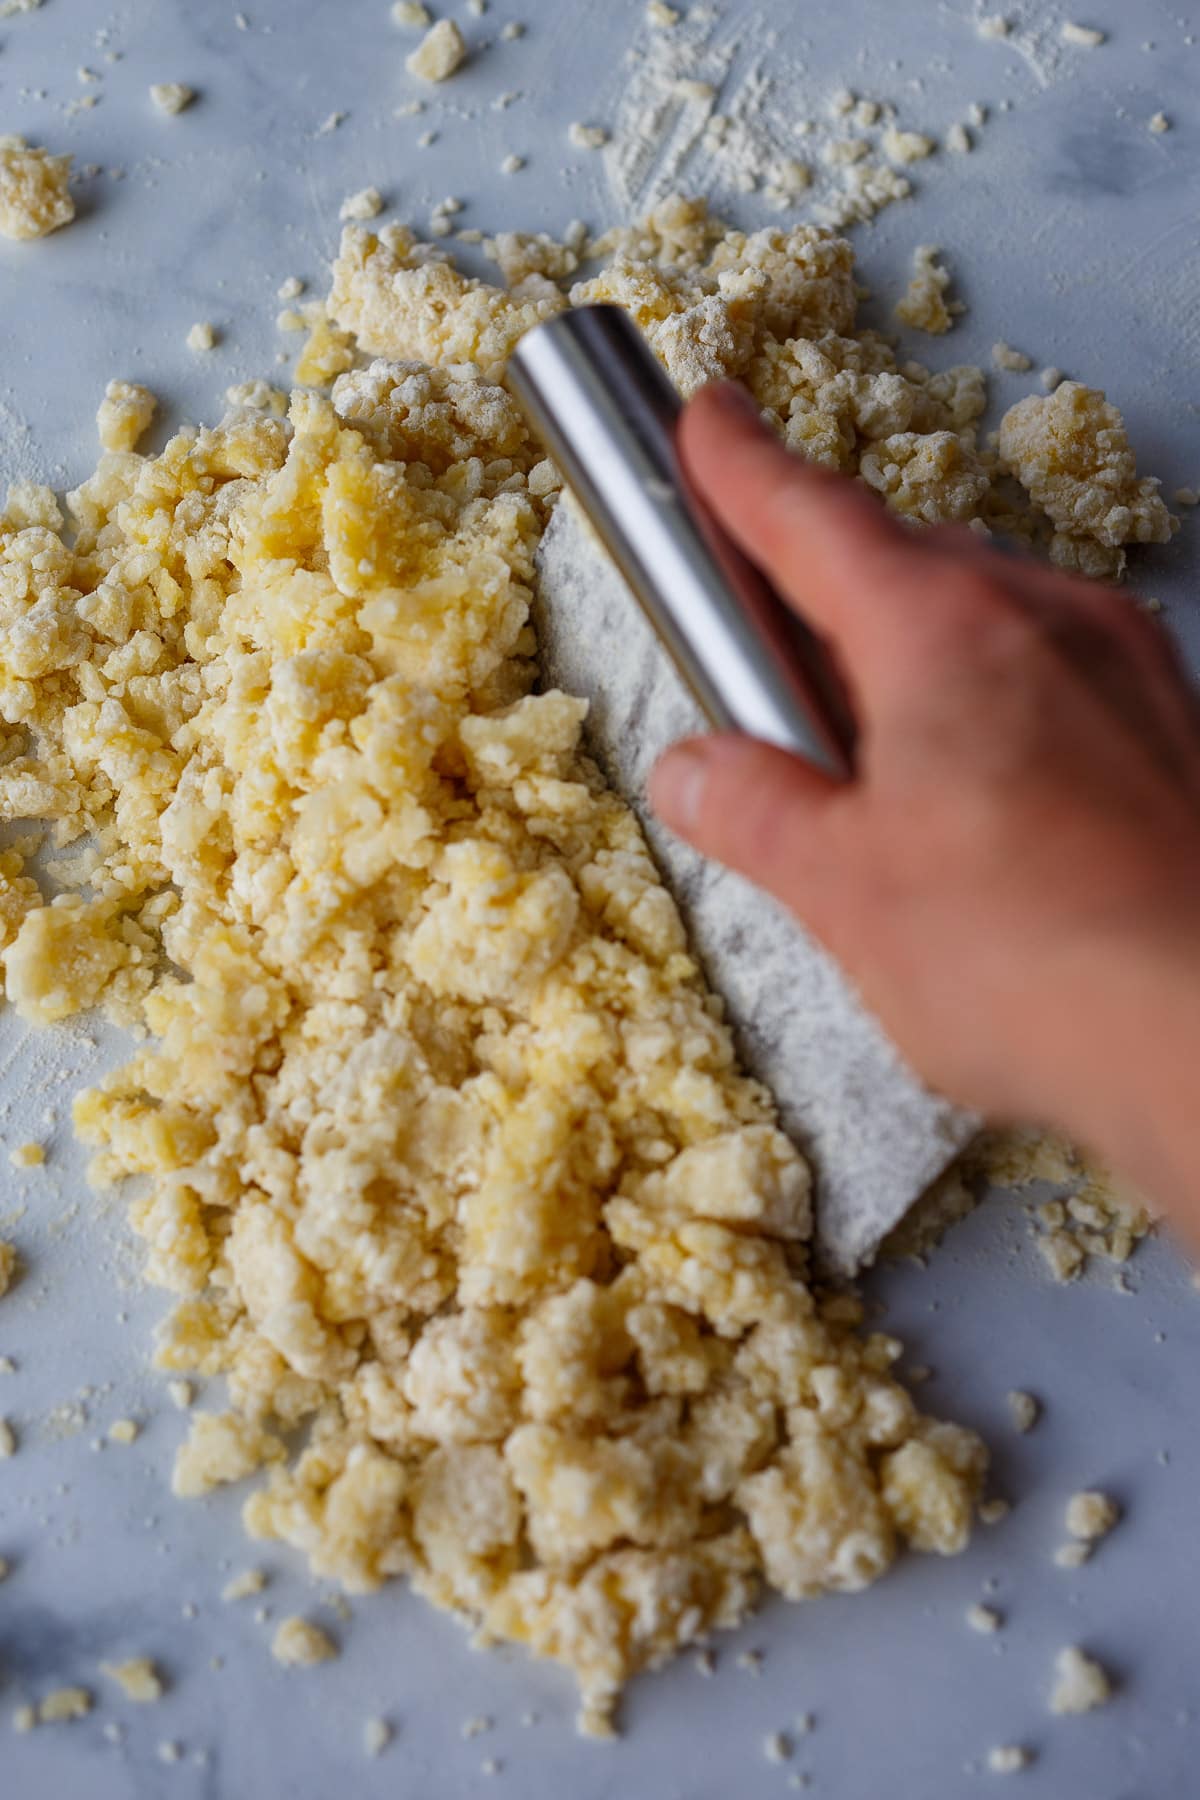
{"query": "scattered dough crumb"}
(124, 414)
(168, 1751)
(777, 1747)
(959, 139)
(63, 1705)
(181, 1393)
(441, 51)
(1160, 123)
(377, 1735)
(202, 336)
(299, 1644)
(476, 1726)
(662, 15)
(995, 26)
(366, 204)
(24, 1718)
(1009, 1759)
(123, 1431)
(138, 1677)
(1091, 1515)
(8, 1265)
(512, 165)
(171, 97)
(925, 306)
(1086, 37)
(1051, 378)
(1082, 1684)
(1025, 1408)
(241, 1587)
(258, 395)
(984, 1619)
(906, 146)
(8, 1439)
(587, 137)
(5, 1568)
(290, 289)
(35, 196)
(1073, 1556)
(1014, 361)
(411, 14)
(27, 1156)
(993, 1511)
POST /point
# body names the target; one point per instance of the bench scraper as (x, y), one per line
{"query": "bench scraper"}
(703, 641)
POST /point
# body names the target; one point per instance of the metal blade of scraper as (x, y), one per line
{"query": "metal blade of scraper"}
(876, 1136)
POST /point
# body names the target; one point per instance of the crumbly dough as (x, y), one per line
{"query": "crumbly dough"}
(1081, 1684)
(450, 1162)
(137, 1677)
(8, 1265)
(124, 414)
(1091, 1515)
(27, 1156)
(171, 97)
(367, 203)
(925, 306)
(1009, 1759)
(201, 336)
(441, 51)
(64, 1705)
(8, 1439)
(1025, 1408)
(299, 1644)
(35, 197)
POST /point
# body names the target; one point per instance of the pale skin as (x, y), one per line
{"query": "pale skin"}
(1013, 876)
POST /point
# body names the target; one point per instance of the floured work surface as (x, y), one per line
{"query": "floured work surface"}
(449, 1158)
(876, 1136)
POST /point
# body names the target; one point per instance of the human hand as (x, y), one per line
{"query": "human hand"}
(1013, 878)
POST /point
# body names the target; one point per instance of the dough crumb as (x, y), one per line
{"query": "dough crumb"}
(35, 194)
(124, 414)
(906, 146)
(367, 203)
(169, 1751)
(299, 1644)
(123, 1431)
(202, 336)
(1160, 123)
(994, 27)
(663, 16)
(377, 1735)
(137, 1677)
(441, 51)
(290, 289)
(412, 15)
(1051, 378)
(1085, 37)
(8, 1439)
(64, 1705)
(984, 1619)
(8, 1266)
(1025, 1409)
(993, 1511)
(1073, 1556)
(1014, 361)
(587, 137)
(1091, 1515)
(181, 1394)
(1009, 1759)
(777, 1747)
(959, 139)
(925, 306)
(27, 1156)
(241, 1587)
(1081, 1685)
(171, 97)
(259, 396)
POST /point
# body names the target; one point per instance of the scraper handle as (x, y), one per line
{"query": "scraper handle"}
(609, 415)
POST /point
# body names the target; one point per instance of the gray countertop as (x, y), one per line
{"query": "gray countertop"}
(1074, 233)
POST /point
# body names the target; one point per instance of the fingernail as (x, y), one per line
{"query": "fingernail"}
(733, 399)
(677, 786)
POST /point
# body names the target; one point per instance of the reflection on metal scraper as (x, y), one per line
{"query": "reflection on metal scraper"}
(876, 1137)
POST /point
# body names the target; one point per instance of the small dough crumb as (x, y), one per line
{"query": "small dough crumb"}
(182, 1393)
(1025, 1408)
(1051, 378)
(299, 1644)
(290, 289)
(169, 1751)
(8, 1265)
(1009, 1759)
(35, 196)
(906, 146)
(441, 51)
(202, 336)
(367, 203)
(1160, 123)
(1073, 1556)
(412, 15)
(984, 1619)
(241, 1587)
(959, 139)
(63, 1705)
(512, 165)
(124, 414)
(1082, 1684)
(138, 1677)
(8, 1439)
(1015, 362)
(587, 137)
(123, 1431)
(994, 27)
(171, 97)
(1085, 37)
(1091, 1515)
(777, 1747)
(662, 15)
(925, 306)
(377, 1735)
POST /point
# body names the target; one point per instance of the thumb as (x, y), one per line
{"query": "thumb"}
(757, 810)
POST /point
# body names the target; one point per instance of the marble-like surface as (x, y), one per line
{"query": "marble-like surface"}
(1074, 234)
